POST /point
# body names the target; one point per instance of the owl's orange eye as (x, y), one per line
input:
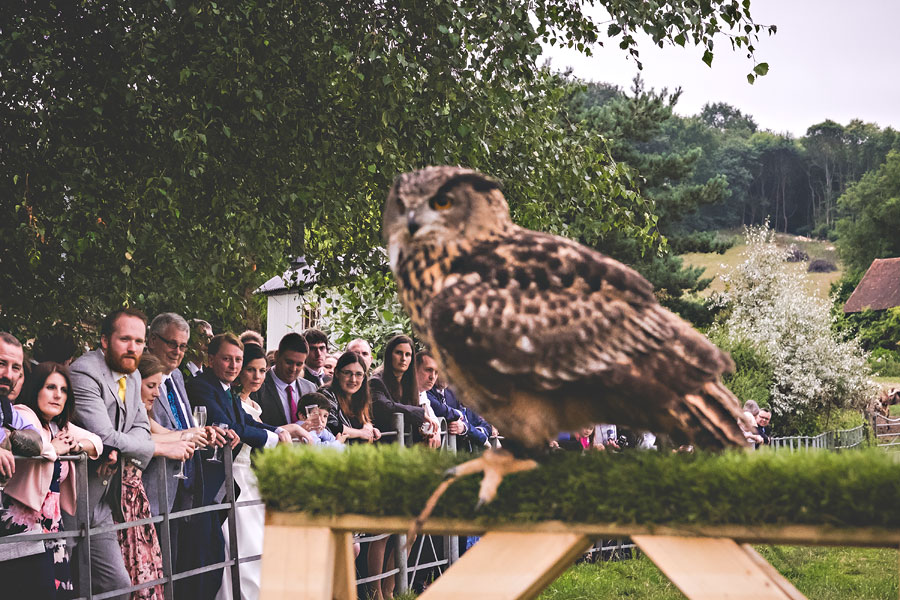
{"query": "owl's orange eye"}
(441, 202)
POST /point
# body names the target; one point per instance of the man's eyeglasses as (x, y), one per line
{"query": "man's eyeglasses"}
(172, 344)
(352, 374)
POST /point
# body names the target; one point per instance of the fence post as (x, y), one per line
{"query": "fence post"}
(452, 544)
(400, 556)
(232, 522)
(83, 523)
(165, 532)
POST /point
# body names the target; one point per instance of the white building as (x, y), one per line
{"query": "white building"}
(287, 310)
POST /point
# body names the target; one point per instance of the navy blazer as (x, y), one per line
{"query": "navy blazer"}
(222, 406)
(479, 430)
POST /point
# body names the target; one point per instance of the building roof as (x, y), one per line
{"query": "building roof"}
(299, 276)
(879, 288)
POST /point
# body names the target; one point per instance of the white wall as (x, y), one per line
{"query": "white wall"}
(285, 315)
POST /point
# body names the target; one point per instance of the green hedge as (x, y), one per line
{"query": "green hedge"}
(858, 488)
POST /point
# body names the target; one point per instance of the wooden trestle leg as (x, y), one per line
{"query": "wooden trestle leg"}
(706, 568)
(298, 564)
(507, 566)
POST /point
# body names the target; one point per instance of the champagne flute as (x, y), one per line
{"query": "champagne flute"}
(215, 456)
(187, 436)
(200, 416)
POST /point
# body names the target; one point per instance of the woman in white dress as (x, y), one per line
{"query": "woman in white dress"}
(250, 519)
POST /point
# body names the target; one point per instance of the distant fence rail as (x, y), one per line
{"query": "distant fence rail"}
(839, 439)
(887, 432)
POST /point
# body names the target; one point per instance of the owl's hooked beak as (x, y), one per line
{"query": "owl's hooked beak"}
(411, 224)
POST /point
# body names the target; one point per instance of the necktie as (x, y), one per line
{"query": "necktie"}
(122, 389)
(174, 405)
(292, 404)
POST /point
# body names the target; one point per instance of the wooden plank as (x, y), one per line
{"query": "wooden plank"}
(344, 567)
(777, 578)
(798, 535)
(299, 563)
(709, 568)
(509, 566)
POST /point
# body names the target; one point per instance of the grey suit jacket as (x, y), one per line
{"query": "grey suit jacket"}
(97, 409)
(162, 414)
(270, 401)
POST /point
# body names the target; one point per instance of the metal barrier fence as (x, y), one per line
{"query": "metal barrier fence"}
(83, 532)
(405, 570)
(839, 439)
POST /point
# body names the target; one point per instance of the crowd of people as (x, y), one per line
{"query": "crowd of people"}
(154, 408)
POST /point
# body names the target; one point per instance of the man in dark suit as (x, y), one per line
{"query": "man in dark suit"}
(107, 391)
(205, 544)
(317, 342)
(283, 387)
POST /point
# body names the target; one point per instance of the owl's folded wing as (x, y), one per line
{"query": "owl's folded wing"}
(551, 311)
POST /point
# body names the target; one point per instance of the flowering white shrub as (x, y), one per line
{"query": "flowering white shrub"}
(771, 309)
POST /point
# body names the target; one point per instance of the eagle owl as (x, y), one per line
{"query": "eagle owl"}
(539, 333)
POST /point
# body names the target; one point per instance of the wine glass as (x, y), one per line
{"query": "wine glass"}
(215, 456)
(187, 436)
(200, 416)
(312, 416)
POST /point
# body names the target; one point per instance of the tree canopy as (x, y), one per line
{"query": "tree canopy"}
(175, 155)
(871, 206)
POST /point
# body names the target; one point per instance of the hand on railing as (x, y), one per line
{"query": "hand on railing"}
(63, 443)
(457, 427)
(7, 465)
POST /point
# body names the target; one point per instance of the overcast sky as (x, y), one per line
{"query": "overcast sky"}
(831, 59)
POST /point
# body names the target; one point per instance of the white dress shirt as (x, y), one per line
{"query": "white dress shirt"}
(282, 387)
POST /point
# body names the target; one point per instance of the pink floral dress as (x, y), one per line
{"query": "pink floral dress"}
(140, 546)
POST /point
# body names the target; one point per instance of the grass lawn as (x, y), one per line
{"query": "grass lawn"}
(887, 382)
(717, 264)
(819, 573)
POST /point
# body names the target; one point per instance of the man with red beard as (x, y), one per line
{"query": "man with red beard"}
(107, 390)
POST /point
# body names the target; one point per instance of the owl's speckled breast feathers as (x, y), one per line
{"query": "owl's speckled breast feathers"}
(538, 332)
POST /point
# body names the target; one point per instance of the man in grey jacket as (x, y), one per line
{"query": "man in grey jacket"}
(168, 340)
(107, 390)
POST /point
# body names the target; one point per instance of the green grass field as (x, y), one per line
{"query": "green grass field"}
(887, 382)
(717, 264)
(819, 573)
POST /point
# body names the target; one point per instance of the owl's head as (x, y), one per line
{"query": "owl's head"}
(442, 204)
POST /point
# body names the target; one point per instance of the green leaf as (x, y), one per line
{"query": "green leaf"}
(708, 58)
(761, 69)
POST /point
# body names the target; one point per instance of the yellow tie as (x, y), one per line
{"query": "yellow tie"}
(122, 389)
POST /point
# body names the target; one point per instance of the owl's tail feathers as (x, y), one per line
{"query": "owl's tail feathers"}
(713, 415)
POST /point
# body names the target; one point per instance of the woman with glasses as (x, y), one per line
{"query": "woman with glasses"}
(350, 415)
